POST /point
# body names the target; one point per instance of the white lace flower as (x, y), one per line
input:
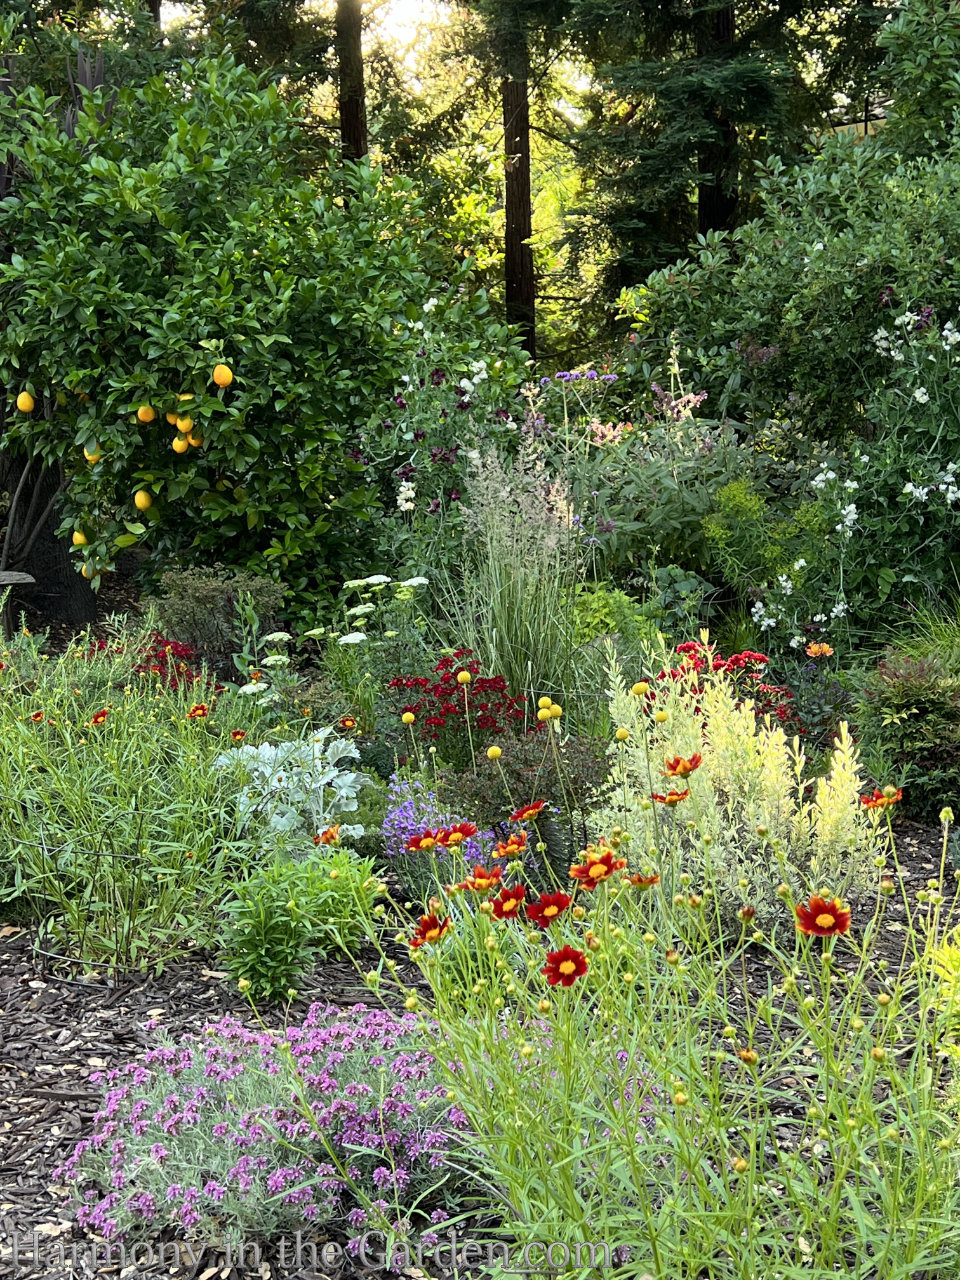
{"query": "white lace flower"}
(355, 637)
(922, 395)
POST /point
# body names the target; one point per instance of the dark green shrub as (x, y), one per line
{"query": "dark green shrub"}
(908, 723)
(198, 606)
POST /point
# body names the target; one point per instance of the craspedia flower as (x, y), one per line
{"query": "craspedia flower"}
(494, 753)
(238, 735)
(547, 908)
(527, 811)
(822, 917)
(680, 767)
(640, 689)
(882, 799)
(601, 863)
(463, 677)
(564, 966)
(671, 799)
(430, 929)
(507, 905)
(408, 717)
(622, 735)
(198, 711)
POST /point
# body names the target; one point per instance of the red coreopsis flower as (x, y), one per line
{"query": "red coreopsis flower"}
(882, 799)
(822, 917)
(100, 716)
(482, 879)
(347, 722)
(679, 767)
(601, 863)
(507, 906)
(512, 848)
(427, 841)
(430, 929)
(547, 908)
(198, 711)
(38, 716)
(527, 811)
(642, 882)
(456, 835)
(238, 735)
(564, 966)
(671, 799)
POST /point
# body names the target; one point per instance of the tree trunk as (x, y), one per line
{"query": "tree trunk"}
(718, 194)
(521, 288)
(153, 8)
(31, 546)
(352, 100)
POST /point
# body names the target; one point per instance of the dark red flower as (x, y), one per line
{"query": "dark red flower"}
(822, 917)
(547, 908)
(238, 735)
(507, 906)
(347, 722)
(564, 966)
(601, 863)
(100, 716)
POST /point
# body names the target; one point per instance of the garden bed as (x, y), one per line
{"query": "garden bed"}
(56, 1029)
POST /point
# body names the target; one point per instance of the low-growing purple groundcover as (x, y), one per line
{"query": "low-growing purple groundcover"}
(219, 1134)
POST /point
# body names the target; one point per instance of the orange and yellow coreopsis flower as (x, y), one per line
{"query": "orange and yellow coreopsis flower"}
(671, 799)
(882, 799)
(680, 767)
(601, 863)
(512, 848)
(527, 811)
(482, 880)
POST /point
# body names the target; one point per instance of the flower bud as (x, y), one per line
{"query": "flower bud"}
(883, 999)
(946, 816)
(887, 886)
(740, 1165)
(672, 956)
(680, 1099)
(244, 984)
(877, 1053)
(544, 1006)
(749, 1057)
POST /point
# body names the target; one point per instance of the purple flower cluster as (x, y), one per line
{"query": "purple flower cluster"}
(412, 808)
(223, 1130)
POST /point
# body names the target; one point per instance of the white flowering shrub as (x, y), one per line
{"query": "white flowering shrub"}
(300, 786)
(747, 814)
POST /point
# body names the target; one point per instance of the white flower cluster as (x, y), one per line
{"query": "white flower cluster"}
(406, 495)
(479, 373)
(887, 346)
(785, 584)
(950, 335)
(823, 479)
(947, 483)
(848, 518)
(765, 621)
(838, 610)
(922, 395)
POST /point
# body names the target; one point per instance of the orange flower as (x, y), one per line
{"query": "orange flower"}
(255, 676)
(456, 835)
(527, 811)
(238, 735)
(671, 799)
(430, 929)
(817, 649)
(100, 716)
(679, 767)
(601, 863)
(507, 906)
(881, 799)
(823, 918)
(330, 836)
(198, 711)
(482, 880)
(512, 848)
(564, 966)
(642, 882)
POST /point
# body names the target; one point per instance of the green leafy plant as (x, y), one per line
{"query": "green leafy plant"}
(288, 914)
(201, 604)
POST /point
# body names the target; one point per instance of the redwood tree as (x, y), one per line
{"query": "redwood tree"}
(352, 100)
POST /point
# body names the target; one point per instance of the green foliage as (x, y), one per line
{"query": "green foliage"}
(199, 605)
(908, 718)
(603, 610)
(310, 293)
(289, 913)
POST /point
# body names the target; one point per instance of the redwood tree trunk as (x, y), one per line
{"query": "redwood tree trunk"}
(521, 289)
(352, 100)
(718, 194)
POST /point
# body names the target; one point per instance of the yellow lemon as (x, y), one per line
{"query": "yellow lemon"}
(95, 456)
(25, 402)
(185, 395)
(180, 445)
(196, 441)
(172, 419)
(88, 571)
(185, 425)
(146, 413)
(222, 375)
(142, 500)
(79, 538)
